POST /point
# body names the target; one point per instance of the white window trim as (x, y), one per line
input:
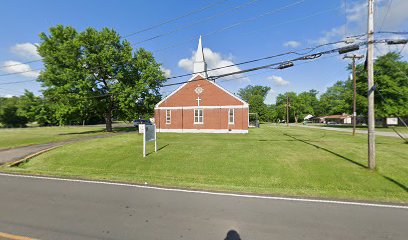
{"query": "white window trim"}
(233, 116)
(202, 117)
(168, 116)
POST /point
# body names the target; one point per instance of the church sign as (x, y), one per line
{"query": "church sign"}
(149, 135)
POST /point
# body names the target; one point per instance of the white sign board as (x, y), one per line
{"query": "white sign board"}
(149, 135)
(392, 121)
(141, 128)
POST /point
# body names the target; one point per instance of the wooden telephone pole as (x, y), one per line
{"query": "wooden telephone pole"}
(370, 73)
(287, 111)
(354, 57)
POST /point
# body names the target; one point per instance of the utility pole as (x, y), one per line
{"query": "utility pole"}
(354, 57)
(370, 72)
(287, 110)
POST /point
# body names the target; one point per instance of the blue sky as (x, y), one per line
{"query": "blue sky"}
(233, 31)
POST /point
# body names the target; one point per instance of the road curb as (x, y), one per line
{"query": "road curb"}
(25, 159)
(14, 237)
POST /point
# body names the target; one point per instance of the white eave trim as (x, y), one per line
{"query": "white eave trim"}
(202, 107)
(245, 104)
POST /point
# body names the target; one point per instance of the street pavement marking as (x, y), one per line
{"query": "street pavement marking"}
(210, 193)
(13, 237)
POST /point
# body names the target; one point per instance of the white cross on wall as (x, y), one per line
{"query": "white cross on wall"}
(198, 101)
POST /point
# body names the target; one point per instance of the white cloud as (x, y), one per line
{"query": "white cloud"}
(18, 67)
(166, 71)
(278, 81)
(292, 44)
(214, 60)
(26, 50)
(356, 13)
(8, 96)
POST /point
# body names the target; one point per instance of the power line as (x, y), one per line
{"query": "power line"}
(220, 30)
(175, 19)
(228, 27)
(296, 19)
(271, 66)
(195, 23)
(345, 18)
(386, 14)
(144, 29)
(250, 61)
(275, 65)
(14, 73)
(7, 83)
(309, 49)
(17, 64)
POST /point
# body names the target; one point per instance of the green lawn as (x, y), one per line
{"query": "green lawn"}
(16, 137)
(270, 160)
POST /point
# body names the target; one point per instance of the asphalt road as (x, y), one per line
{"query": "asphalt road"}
(52, 209)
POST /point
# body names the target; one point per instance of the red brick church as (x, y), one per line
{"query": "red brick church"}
(201, 106)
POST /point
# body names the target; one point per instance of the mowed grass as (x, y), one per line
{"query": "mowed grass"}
(17, 137)
(276, 160)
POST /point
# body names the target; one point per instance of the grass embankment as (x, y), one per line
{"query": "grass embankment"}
(17, 137)
(270, 160)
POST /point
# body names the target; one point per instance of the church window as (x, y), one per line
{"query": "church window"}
(198, 116)
(168, 116)
(231, 115)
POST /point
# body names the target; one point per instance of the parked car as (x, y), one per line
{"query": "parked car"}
(306, 122)
(141, 121)
(331, 123)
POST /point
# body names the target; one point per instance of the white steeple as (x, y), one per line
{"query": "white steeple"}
(200, 66)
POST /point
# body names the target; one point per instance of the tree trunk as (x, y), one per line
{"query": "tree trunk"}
(108, 121)
(108, 115)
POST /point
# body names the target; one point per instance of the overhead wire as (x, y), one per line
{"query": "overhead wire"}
(195, 23)
(175, 19)
(144, 29)
(239, 23)
(308, 49)
(272, 65)
(386, 14)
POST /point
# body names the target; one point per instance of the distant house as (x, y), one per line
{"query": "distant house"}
(201, 106)
(337, 119)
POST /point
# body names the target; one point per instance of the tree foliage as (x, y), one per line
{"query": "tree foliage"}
(255, 97)
(95, 73)
(9, 113)
(391, 79)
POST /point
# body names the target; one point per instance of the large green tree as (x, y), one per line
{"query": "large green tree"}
(10, 116)
(255, 97)
(249, 91)
(391, 94)
(337, 99)
(96, 73)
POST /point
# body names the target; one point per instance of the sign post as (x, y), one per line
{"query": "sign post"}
(149, 135)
